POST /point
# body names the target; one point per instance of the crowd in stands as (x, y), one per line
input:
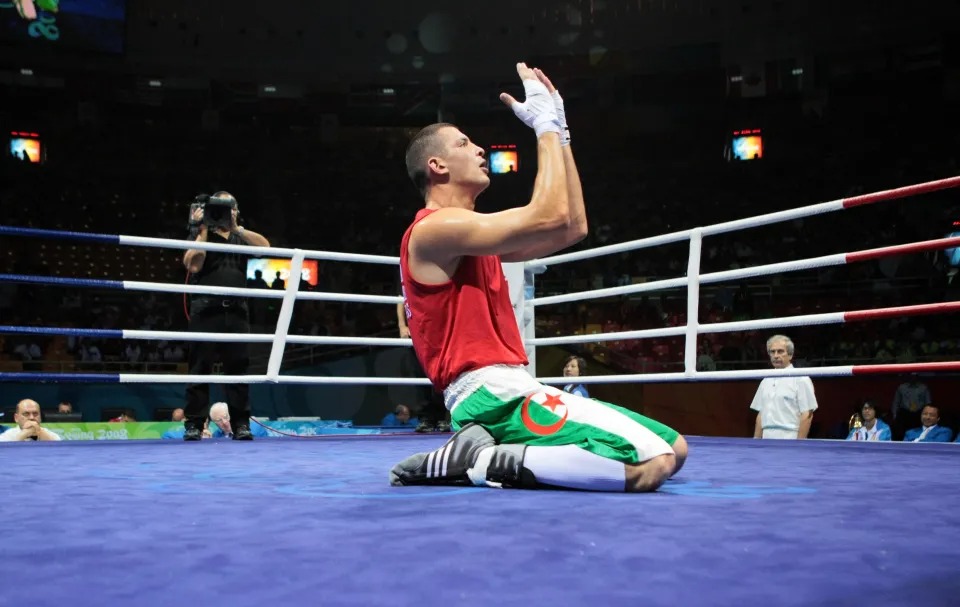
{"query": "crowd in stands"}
(352, 195)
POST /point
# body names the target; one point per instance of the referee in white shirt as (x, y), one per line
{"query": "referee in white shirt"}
(784, 405)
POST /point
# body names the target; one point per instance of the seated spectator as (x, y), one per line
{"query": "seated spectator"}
(65, 406)
(28, 422)
(132, 352)
(705, 361)
(929, 432)
(177, 415)
(400, 418)
(128, 416)
(873, 428)
(154, 355)
(91, 354)
(575, 366)
(220, 416)
(173, 353)
(28, 351)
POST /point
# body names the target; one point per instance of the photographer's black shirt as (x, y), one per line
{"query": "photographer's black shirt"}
(222, 269)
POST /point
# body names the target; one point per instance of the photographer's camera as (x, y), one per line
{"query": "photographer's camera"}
(214, 212)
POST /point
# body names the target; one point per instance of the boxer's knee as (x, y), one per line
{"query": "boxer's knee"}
(649, 475)
(680, 450)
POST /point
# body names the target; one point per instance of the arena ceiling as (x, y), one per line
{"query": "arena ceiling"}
(332, 44)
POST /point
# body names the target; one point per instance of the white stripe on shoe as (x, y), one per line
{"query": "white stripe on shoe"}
(431, 459)
(447, 450)
(436, 462)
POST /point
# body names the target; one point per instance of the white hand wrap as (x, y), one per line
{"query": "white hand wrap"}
(561, 117)
(538, 110)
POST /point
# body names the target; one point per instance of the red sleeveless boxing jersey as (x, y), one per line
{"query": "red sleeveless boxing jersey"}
(463, 324)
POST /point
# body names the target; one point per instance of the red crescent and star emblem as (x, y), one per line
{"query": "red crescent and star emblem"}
(551, 403)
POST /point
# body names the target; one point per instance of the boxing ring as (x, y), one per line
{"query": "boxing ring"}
(314, 522)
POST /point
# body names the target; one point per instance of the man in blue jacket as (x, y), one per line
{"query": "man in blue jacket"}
(400, 417)
(930, 432)
(220, 426)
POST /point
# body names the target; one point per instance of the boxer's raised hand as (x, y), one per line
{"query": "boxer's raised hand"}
(557, 104)
(538, 110)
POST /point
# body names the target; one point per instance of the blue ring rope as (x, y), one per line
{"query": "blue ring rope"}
(38, 233)
(20, 330)
(56, 280)
(86, 378)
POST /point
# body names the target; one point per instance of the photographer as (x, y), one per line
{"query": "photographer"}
(214, 219)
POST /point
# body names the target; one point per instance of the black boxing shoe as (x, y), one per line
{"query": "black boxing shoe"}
(242, 432)
(447, 465)
(192, 433)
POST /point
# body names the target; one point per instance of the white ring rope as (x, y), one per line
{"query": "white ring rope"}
(159, 287)
(691, 330)
(704, 279)
(170, 243)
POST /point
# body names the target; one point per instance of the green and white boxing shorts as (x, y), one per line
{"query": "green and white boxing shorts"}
(517, 409)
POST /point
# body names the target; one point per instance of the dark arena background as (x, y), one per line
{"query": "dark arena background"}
(684, 114)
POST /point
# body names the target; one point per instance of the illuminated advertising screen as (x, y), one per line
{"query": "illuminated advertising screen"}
(76, 25)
